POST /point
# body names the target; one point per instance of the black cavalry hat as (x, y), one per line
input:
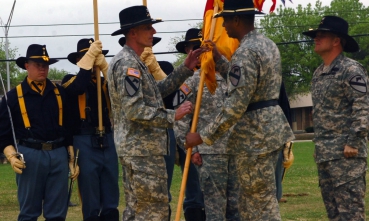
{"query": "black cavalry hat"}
(166, 66)
(82, 47)
(122, 41)
(134, 16)
(238, 7)
(36, 53)
(193, 35)
(337, 26)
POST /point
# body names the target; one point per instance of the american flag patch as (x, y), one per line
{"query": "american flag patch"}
(185, 89)
(133, 72)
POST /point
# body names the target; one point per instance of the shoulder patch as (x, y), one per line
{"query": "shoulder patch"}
(132, 84)
(358, 83)
(235, 75)
(178, 98)
(134, 73)
(185, 89)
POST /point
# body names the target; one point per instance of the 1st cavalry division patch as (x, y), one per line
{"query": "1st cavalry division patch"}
(235, 75)
(358, 83)
(132, 81)
(181, 95)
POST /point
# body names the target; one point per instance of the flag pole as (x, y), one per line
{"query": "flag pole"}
(193, 128)
(97, 71)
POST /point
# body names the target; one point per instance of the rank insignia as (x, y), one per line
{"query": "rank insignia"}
(235, 75)
(358, 83)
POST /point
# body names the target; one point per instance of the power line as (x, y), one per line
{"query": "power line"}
(175, 52)
(101, 23)
(56, 36)
(164, 32)
(192, 19)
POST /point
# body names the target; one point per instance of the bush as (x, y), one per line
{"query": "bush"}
(309, 130)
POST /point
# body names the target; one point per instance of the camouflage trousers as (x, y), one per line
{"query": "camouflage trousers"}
(218, 181)
(257, 198)
(342, 184)
(145, 188)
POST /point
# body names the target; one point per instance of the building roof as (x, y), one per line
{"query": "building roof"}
(301, 101)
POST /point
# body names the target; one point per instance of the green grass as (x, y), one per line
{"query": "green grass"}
(300, 188)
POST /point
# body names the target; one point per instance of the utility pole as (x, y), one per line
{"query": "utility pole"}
(6, 31)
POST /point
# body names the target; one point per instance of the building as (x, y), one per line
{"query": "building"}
(301, 112)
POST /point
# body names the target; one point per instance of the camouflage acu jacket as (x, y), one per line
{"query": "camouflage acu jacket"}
(340, 108)
(211, 106)
(254, 75)
(139, 117)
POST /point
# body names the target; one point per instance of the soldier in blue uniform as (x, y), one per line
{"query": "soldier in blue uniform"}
(98, 180)
(40, 116)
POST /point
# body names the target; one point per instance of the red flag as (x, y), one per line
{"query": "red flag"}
(225, 45)
(259, 5)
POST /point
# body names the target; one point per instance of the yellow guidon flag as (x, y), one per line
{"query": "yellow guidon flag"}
(225, 45)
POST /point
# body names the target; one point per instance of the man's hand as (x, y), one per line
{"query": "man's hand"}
(216, 53)
(102, 64)
(88, 60)
(150, 60)
(192, 58)
(196, 159)
(74, 169)
(288, 156)
(350, 151)
(193, 139)
(185, 108)
(11, 155)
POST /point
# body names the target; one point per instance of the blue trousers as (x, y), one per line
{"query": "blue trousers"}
(279, 169)
(98, 178)
(194, 197)
(43, 185)
(170, 160)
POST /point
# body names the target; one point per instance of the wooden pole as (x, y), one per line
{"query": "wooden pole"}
(193, 129)
(144, 2)
(97, 72)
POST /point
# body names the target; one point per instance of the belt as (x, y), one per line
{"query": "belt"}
(49, 145)
(91, 131)
(261, 104)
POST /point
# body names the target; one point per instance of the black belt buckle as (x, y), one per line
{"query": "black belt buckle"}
(99, 141)
(46, 146)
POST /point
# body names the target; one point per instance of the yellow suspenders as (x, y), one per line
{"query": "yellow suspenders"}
(82, 98)
(22, 106)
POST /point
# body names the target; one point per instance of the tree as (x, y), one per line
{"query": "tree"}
(299, 61)
(173, 41)
(54, 75)
(13, 68)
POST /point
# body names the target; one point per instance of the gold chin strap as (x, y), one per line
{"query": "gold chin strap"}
(22, 106)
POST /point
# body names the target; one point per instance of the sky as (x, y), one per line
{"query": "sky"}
(28, 15)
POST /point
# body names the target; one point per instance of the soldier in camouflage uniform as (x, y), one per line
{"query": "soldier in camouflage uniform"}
(340, 115)
(216, 168)
(140, 119)
(260, 127)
